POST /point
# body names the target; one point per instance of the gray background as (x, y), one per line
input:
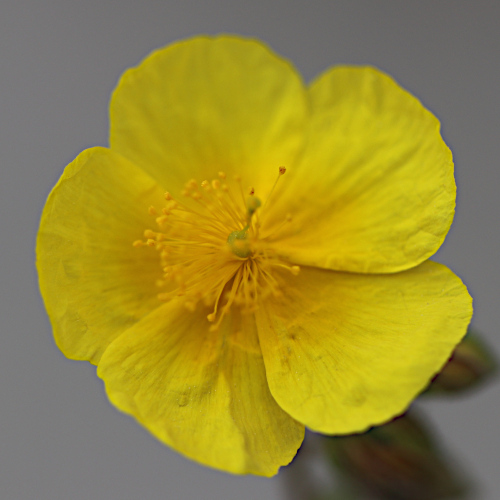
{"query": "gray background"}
(60, 59)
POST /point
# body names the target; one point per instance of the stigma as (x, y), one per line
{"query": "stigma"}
(211, 248)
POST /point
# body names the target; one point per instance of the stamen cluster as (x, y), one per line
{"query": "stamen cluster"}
(211, 249)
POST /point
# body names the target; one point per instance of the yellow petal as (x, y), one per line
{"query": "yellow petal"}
(206, 105)
(94, 283)
(205, 394)
(347, 351)
(376, 174)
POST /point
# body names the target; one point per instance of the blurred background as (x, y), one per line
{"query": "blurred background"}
(60, 60)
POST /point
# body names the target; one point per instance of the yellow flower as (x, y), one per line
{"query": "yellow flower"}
(227, 302)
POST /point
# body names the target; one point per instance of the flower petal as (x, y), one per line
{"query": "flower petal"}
(206, 105)
(376, 174)
(347, 351)
(205, 394)
(94, 283)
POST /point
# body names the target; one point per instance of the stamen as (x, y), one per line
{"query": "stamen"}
(295, 270)
(230, 300)
(278, 229)
(281, 171)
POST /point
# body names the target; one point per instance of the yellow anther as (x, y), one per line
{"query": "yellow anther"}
(216, 183)
(165, 211)
(251, 191)
(196, 195)
(168, 196)
(138, 243)
(282, 170)
(161, 220)
(211, 317)
(222, 175)
(295, 270)
(151, 243)
(152, 210)
(205, 184)
(149, 234)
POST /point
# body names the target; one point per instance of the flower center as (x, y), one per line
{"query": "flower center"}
(212, 249)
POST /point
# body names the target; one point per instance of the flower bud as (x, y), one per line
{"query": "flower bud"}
(398, 460)
(469, 365)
